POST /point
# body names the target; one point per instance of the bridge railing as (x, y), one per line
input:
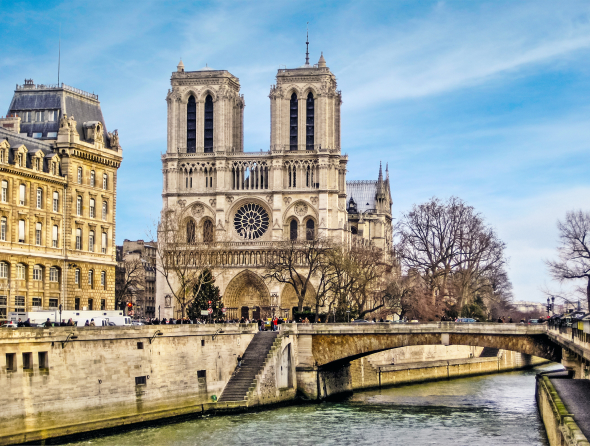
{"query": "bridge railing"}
(433, 327)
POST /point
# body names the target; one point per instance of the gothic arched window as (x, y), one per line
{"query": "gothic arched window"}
(190, 231)
(293, 230)
(191, 125)
(208, 123)
(293, 112)
(310, 229)
(208, 231)
(309, 123)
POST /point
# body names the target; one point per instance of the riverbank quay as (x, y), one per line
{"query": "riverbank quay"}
(564, 406)
(368, 373)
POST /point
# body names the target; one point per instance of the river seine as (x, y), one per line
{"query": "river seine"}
(480, 411)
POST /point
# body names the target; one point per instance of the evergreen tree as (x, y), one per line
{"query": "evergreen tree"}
(208, 292)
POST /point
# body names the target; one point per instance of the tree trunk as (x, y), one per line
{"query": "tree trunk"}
(588, 292)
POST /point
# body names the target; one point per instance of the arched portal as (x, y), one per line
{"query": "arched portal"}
(247, 295)
(289, 300)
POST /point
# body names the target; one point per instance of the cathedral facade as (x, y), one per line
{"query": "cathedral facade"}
(245, 202)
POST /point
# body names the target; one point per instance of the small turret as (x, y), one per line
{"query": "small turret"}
(322, 61)
(180, 67)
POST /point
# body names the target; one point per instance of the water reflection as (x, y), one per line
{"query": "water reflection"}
(487, 410)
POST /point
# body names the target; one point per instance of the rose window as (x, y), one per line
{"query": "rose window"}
(251, 221)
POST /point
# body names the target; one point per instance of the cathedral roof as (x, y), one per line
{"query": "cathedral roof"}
(363, 191)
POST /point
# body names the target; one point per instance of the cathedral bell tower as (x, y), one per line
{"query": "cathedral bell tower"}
(305, 109)
(205, 112)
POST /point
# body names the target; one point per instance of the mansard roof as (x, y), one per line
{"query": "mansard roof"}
(83, 106)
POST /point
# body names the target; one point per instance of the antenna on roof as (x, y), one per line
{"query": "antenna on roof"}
(59, 55)
(307, 46)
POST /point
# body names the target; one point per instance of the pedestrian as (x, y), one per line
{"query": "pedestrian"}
(70, 323)
(259, 324)
(63, 323)
(47, 323)
(92, 324)
(239, 360)
(27, 323)
(20, 323)
(87, 324)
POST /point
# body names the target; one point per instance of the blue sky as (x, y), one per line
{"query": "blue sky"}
(488, 101)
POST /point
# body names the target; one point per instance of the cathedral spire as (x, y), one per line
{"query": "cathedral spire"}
(380, 173)
(307, 46)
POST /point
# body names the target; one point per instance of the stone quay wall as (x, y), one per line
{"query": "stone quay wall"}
(560, 426)
(54, 384)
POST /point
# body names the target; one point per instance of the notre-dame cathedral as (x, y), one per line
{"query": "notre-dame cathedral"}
(246, 201)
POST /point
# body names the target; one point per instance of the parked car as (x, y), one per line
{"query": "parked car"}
(467, 320)
(9, 324)
(137, 323)
(360, 321)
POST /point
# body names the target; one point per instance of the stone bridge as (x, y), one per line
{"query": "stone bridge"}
(324, 351)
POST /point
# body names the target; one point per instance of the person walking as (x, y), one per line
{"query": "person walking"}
(239, 360)
(92, 324)
(47, 323)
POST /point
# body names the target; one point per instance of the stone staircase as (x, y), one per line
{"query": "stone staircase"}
(245, 378)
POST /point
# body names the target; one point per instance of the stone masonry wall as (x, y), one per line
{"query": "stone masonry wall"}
(110, 374)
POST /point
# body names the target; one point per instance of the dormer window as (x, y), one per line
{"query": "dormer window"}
(52, 115)
(38, 117)
(37, 164)
(54, 168)
(20, 160)
(37, 135)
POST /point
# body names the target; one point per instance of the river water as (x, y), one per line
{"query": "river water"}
(486, 410)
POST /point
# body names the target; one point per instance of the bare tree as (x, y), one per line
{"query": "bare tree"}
(452, 248)
(295, 263)
(129, 278)
(574, 250)
(181, 261)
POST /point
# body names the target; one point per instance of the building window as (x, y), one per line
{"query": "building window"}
(77, 303)
(309, 123)
(19, 303)
(39, 116)
(55, 236)
(103, 279)
(56, 202)
(20, 160)
(191, 125)
(293, 230)
(91, 241)
(103, 245)
(208, 124)
(105, 181)
(37, 135)
(77, 276)
(2, 159)
(37, 164)
(293, 114)
(23, 193)
(3, 307)
(21, 231)
(11, 362)
(53, 274)
(92, 207)
(52, 303)
(79, 175)
(91, 278)
(20, 271)
(310, 229)
(79, 205)
(3, 229)
(103, 304)
(27, 361)
(54, 167)
(190, 232)
(90, 304)
(27, 117)
(4, 191)
(43, 361)
(208, 231)
(3, 270)
(92, 178)
(38, 229)
(104, 210)
(37, 302)
(37, 273)
(52, 115)
(78, 238)
(39, 198)
(52, 134)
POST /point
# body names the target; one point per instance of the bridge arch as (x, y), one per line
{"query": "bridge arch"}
(332, 350)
